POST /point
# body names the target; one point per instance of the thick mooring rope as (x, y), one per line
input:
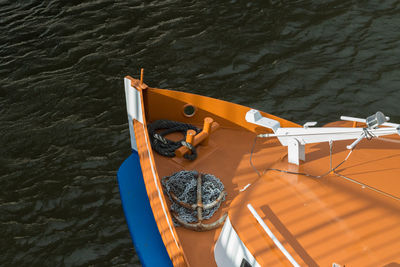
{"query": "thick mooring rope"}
(183, 185)
(167, 147)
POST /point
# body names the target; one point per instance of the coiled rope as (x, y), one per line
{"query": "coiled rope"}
(167, 147)
(182, 187)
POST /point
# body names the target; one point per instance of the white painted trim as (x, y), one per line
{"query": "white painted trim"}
(229, 251)
(158, 189)
(135, 111)
(244, 188)
(272, 236)
(133, 108)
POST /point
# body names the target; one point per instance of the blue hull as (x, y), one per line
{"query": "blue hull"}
(139, 216)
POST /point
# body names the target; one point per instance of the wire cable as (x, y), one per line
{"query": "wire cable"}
(368, 135)
(299, 173)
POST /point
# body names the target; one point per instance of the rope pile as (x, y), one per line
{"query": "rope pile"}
(183, 185)
(167, 147)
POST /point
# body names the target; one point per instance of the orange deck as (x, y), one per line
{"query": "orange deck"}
(319, 221)
(327, 220)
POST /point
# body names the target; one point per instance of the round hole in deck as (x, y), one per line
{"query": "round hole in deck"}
(189, 110)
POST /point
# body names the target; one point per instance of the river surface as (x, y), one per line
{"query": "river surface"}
(63, 122)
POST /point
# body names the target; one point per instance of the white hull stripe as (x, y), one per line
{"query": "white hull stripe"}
(158, 189)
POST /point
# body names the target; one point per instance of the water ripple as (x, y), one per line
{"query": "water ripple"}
(62, 109)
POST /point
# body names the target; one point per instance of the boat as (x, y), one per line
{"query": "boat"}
(214, 183)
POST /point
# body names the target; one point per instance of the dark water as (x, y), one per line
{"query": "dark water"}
(63, 121)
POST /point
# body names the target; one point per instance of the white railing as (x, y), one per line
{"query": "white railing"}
(272, 236)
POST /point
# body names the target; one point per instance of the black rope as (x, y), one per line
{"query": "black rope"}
(167, 147)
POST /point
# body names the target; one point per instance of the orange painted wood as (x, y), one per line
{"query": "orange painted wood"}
(157, 199)
(190, 136)
(199, 138)
(319, 221)
(155, 193)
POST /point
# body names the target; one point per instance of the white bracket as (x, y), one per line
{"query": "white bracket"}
(309, 124)
(296, 151)
(255, 117)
